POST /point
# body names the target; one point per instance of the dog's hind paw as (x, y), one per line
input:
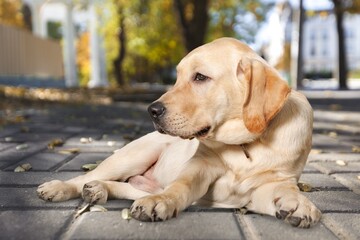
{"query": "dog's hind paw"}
(56, 191)
(95, 192)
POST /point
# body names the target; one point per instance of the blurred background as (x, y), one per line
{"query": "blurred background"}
(120, 44)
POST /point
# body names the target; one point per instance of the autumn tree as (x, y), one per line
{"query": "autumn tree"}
(142, 38)
(10, 13)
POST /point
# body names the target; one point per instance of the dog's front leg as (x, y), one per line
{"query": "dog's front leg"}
(191, 185)
(133, 159)
(284, 200)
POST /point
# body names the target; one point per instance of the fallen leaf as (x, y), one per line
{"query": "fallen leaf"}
(86, 140)
(111, 143)
(335, 107)
(22, 146)
(332, 134)
(55, 143)
(23, 167)
(82, 210)
(341, 163)
(316, 151)
(25, 129)
(355, 149)
(9, 139)
(89, 166)
(97, 208)
(304, 187)
(69, 151)
(125, 214)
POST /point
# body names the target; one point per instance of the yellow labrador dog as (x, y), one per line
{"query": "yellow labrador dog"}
(235, 136)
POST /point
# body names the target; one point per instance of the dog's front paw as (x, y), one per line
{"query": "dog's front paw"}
(56, 191)
(297, 210)
(95, 192)
(154, 208)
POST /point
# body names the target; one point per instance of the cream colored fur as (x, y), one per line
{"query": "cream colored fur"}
(252, 156)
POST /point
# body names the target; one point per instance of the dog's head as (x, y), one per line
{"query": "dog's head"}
(224, 92)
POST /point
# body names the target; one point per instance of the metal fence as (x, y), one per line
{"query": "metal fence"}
(23, 54)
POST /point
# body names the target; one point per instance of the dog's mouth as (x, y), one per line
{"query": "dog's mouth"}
(199, 134)
(203, 132)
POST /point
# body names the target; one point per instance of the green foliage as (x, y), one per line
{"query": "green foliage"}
(153, 40)
(236, 18)
(53, 29)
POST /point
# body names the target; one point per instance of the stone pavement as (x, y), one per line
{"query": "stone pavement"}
(91, 133)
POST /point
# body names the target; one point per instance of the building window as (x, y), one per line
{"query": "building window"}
(324, 51)
(312, 50)
(312, 35)
(325, 35)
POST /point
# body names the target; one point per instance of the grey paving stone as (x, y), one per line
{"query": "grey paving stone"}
(8, 130)
(328, 144)
(32, 178)
(325, 157)
(321, 181)
(350, 180)
(13, 155)
(117, 205)
(310, 169)
(38, 137)
(11, 197)
(268, 227)
(335, 201)
(4, 146)
(188, 225)
(94, 146)
(343, 225)
(83, 158)
(333, 167)
(42, 161)
(33, 224)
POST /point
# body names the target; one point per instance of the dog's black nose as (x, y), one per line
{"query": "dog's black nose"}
(156, 110)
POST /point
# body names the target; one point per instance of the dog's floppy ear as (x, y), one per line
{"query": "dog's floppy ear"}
(266, 94)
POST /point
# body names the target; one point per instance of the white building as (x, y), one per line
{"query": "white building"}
(320, 49)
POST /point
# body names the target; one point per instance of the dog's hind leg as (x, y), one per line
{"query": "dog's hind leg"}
(131, 160)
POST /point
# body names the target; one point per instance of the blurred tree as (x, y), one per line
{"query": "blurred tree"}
(202, 20)
(10, 13)
(236, 18)
(121, 38)
(340, 7)
(26, 12)
(83, 58)
(193, 19)
(147, 32)
(142, 38)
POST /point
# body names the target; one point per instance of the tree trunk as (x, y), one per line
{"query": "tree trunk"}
(300, 68)
(342, 63)
(121, 55)
(193, 18)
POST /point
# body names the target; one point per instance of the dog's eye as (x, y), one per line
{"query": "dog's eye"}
(200, 77)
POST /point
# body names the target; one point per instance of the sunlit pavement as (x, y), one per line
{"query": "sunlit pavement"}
(91, 133)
